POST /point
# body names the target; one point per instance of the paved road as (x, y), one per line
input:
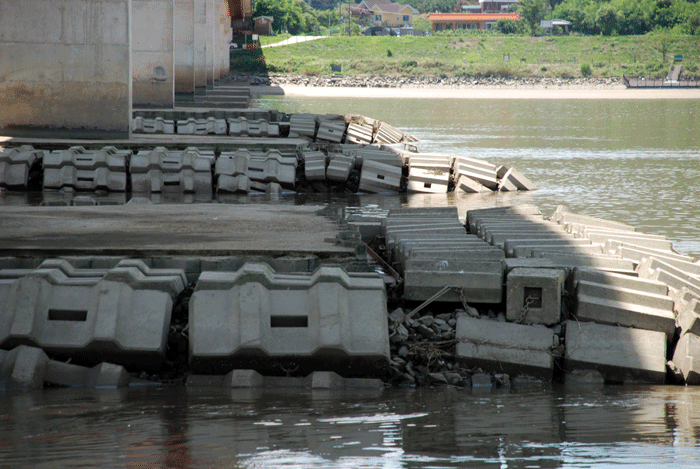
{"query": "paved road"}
(295, 40)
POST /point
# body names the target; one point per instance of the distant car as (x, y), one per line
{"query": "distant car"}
(233, 45)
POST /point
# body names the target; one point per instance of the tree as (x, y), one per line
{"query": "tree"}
(506, 26)
(607, 19)
(287, 14)
(533, 11)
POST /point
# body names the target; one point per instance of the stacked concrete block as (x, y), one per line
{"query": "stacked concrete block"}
(158, 125)
(270, 166)
(604, 236)
(614, 299)
(258, 319)
(510, 348)
(314, 165)
(339, 167)
(428, 181)
(360, 133)
(677, 279)
(442, 163)
(388, 134)
(378, 177)
(376, 154)
(160, 170)
(302, 125)
(619, 354)
(636, 253)
(124, 315)
(331, 131)
(478, 170)
(474, 279)
(530, 247)
(476, 215)
(86, 170)
(15, 164)
(241, 126)
(534, 296)
(208, 126)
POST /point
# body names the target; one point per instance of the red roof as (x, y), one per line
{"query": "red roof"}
(473, 16)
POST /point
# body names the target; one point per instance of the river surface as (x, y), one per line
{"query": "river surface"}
(632, 161)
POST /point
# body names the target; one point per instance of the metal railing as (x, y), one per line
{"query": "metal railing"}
(648, 82)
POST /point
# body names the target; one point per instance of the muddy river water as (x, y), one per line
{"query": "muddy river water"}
(632, 161)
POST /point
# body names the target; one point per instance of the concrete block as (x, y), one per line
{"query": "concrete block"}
(302, 125)
(378, 154)
(244, 379)
(655, 269)
(66, 374)
(499, 236)
(360, 133)
(388, 134)
(137, 275)
(469, 185)
(331, 380)
(86, 170)
(640, 239)
(538, 250)
(208, 126)
(15, 164)
(270, 166)
(166, 171)
(23, 368)
(429, 181)
(613, 280)
(331, 131)
(620, 354)
(533, 296)
(515, 179)
(495, 212)
(258, 319)
(234, 184)
(314, 165)
(241, 126)
(605, 304)
(687, 357)
(689, 317)
(158, 125)
(480, 171)
(339, 168)
(594, 261)
(637, 253)
(449, 212)
(502, 347)
(107, 375)
(568, 218)
(479, 281)
(524, 247)
(378, 177)
(442, 163)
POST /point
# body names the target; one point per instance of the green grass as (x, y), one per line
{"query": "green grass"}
(482, 54)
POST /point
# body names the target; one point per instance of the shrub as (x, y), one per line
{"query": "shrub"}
(388, 53)
(585, 70)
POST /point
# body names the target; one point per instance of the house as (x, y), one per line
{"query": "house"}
(476, 21)
(263, 25)
(393, 15)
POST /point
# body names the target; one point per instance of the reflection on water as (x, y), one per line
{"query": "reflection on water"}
(422, 428)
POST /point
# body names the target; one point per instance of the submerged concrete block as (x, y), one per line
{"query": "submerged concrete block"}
(515, 179)
(430, 181)
(478, 170)
(378, 177)
(258, 319)
(620, 354)
(15, 164)
(533, 296)
(23, 368)
(502, 347)
(687, 357)
(469, 185)
(479, 281)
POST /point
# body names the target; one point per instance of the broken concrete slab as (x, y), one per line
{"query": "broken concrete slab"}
(534, 296)
(258, 319)
(505, 347)
(620, 354)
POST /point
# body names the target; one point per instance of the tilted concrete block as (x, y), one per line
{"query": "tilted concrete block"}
(15, 164)
(330, 131)
(314, 165)
(515, 179)
(533, 296)
(258, 319)
(422, 180)
(302, 125)
(687, 357)
(428, 161)
(620, 354)
(161, 170)
(339, 168)
(502, 347)
(689, 317)
(90, 322)
(360, 133)
(23, 367)
(480, 171)
(469, 185)
(637, 253)
(232, 163)
(655, 269)
(388, 134)
(568, 218)
(613, 305)
(378, 177)
(104, 375)
(479, 281)
(641, 239)
(376, 154)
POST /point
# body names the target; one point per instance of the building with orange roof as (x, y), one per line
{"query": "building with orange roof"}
(463, 21)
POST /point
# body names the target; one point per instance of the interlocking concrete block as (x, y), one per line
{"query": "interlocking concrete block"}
(302, 125)
(689, 316)
(270, 166)
(162, 171)
(533, 296)
(495, 212)
(240, 184)
(614, 305)
(241, 126)
(480, 171)
(377, 154)
(23, 368)
(441, 163)
(568, 218)
(594, 261)
(502, 347)
(330, 131)
(514, 180)
(687, 357)
(205, 126)
(314, 165)
(538, 250)
(614, 280)
(637, 253)
(339, 167)
(477, 280)
(499, 236)
(655, 269)
(258, 319)
(137, 275)
(86, 170)
(378, 177)
(603, 236)
(330, 380)
(91, 321)
(360, 133)
(470, 186)
(525, 247)
(158, 125)
(15, 164)
(388, 134)
(102, 375)
(429, 181)
(620, 354)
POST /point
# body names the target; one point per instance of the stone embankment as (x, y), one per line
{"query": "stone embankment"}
(417, 82)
